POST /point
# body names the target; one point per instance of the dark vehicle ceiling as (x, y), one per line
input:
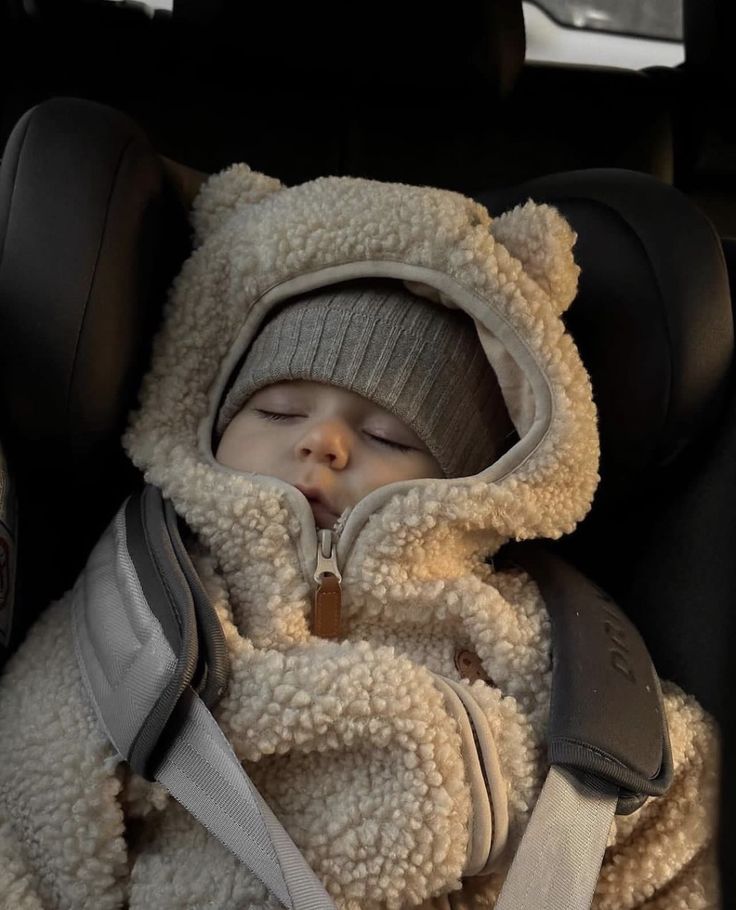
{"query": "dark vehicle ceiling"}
(417, 93)
(420, 95)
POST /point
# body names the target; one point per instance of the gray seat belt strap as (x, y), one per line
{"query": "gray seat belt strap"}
(201, 772)
(139, 668)
(607, 739)
(559, 859)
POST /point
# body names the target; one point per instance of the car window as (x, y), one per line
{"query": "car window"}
(627, 33)
(150, 7)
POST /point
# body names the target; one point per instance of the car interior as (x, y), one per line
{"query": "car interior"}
(111, 116)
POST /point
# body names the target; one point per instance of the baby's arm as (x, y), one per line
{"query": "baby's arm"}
(18, 883)
(61, 824)
(353, 746)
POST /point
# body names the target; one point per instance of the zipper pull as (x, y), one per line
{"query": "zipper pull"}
(328, 597)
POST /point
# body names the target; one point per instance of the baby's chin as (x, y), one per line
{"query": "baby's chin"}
(323, 518)
(332, 523)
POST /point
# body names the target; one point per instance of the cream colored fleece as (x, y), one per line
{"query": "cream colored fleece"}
(349, 741)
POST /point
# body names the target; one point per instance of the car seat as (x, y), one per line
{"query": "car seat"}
(92, 230)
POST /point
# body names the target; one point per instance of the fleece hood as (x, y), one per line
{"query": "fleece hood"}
(258, 243)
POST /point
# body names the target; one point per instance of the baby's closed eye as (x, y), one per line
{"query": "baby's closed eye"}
(272, 415)
(388, 442)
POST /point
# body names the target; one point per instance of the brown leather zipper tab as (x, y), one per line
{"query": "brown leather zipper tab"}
(326, 611)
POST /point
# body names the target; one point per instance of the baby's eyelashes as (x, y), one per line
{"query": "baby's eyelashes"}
(272, 415)
(394, 445)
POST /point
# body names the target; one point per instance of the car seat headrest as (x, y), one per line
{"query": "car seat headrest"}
(81, 222)
(90, 237)
(652, 317)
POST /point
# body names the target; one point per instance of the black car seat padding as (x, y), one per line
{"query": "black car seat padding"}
(90, 237)
(652, 318)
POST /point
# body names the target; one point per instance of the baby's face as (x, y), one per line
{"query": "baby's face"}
(331, 443)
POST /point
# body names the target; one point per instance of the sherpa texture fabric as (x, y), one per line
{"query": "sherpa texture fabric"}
(349, 741)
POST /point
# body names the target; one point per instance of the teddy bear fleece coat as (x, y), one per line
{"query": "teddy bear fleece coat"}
(350, 741)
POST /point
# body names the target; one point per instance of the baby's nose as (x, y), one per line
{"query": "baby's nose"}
(327, 442)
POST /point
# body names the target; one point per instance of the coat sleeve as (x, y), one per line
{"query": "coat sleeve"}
(352, 745)
(354, 751)
(18, 884)
(61, 823)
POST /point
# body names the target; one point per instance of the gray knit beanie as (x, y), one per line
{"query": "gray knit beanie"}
(417, 359)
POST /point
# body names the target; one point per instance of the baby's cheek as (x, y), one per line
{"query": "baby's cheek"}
(420, 465)
(359, 484)
(391, 469)
(429, 467)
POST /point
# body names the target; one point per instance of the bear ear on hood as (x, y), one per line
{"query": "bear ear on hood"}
(224, 193)
(542, 240)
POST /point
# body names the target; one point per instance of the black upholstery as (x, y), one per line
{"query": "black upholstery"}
(641, 302)
(91, 237)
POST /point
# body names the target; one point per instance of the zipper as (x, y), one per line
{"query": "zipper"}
(328, 596)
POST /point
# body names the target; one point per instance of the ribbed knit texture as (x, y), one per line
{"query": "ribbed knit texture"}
(419, 360)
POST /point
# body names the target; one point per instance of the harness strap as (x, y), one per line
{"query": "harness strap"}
(559, 859)
(202, 772)
(607, 739)
(136, 631)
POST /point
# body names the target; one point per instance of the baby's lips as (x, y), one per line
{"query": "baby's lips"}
(324, 516)
(316, 497)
